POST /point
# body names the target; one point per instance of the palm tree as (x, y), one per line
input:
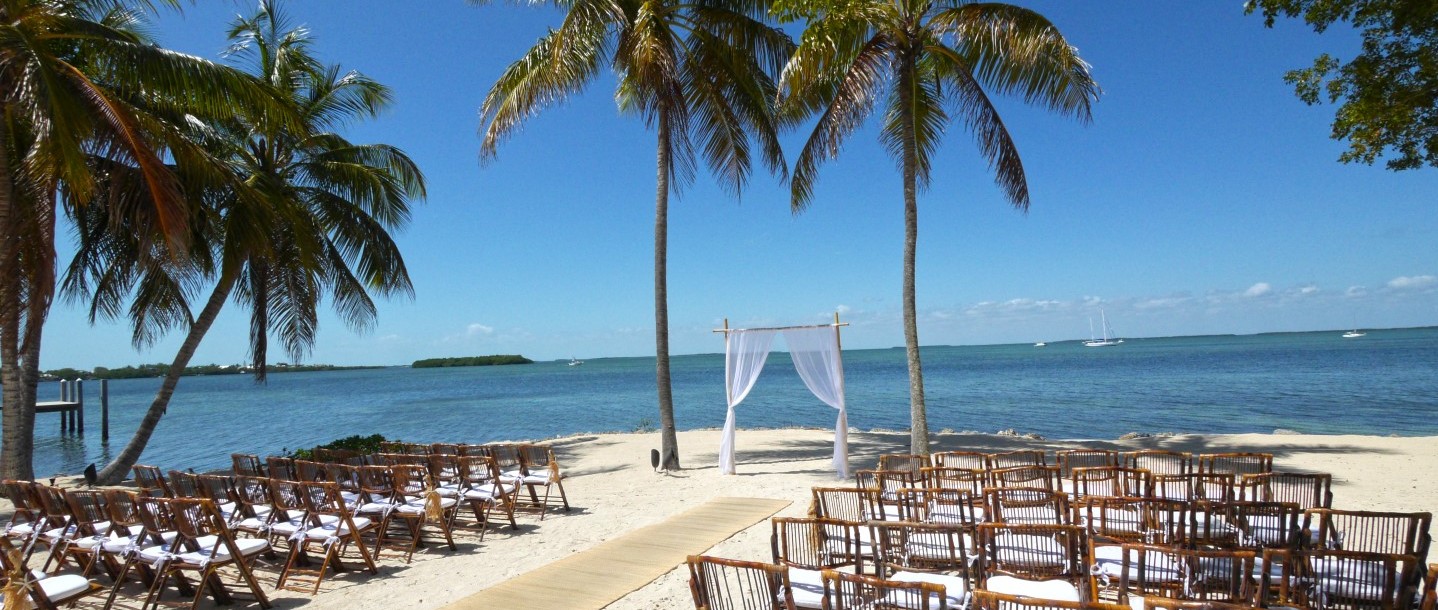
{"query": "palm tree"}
(313, 216)
(701, 73)
(78, 81)
(926, 59)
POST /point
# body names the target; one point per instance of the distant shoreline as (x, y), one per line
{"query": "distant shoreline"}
(159, 370)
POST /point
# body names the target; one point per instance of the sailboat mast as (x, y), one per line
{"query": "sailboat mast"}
(1103, 316)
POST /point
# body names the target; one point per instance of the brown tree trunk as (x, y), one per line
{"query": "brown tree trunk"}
(918, 415)
(16, 437)
(115, 471)
(669, 437)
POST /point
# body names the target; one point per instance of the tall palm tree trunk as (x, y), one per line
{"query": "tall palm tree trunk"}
(115, 471)
(669, 438)
(918, 414)
(16, 438)
(39, 255)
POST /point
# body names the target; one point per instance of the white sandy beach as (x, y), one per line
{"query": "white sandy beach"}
(613, 490)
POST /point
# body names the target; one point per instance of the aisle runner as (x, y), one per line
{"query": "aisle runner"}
(600, 576)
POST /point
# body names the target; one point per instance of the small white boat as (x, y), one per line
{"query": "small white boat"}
(1106, 340)
(1353, 334)
(1041, 344)
(573, 362)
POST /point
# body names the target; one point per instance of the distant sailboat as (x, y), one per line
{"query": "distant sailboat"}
(1041, 344)
(1353, 334)
(1106, 340)
(573, 362)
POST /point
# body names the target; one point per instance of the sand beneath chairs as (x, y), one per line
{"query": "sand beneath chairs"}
(614, 491)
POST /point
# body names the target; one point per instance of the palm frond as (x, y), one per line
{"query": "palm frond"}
(977, 113)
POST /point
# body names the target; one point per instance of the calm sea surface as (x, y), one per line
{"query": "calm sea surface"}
(1384, 383)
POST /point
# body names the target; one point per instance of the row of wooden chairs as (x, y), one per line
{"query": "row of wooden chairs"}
(532, 466)
(1158, 461)
(1308, 490)
(823, 563)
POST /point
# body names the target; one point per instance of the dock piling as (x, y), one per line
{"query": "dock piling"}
(104, 410)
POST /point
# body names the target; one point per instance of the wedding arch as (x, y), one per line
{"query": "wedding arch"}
(816, 354)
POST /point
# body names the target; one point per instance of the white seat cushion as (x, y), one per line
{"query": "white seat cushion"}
(1047, 589)
(417, 506)
(64, 586)
(956, 589)
(247, 547)
(808, 588)
(1030, 550)
(1158, 567)
(330, 529)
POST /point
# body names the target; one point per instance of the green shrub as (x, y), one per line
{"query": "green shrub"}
(363, 444)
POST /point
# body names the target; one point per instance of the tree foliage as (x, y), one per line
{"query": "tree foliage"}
(1389, 91)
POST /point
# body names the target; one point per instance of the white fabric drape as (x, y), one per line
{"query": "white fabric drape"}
(815, 352)
(744, 354)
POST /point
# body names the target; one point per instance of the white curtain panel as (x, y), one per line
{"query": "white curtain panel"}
(816, 356)
(744, 354)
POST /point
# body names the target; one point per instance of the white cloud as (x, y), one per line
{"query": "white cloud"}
(1258, 290)
(477, 329)
(1309, 289)
(842, 309)
(1162, 302)
(1412, 282)
(1355, 292)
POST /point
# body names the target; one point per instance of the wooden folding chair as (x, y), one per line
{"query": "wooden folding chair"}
(842, 503)
(1326, 579)
(1143, 570)
(203, 546)
(45, 591)
(328, 529)
(481, 489)
(904, 461)
(1069, 459)
(247, 465)
(281, 467)
(943, 506)
(26, 514)
(541, 469)
(730, 584)
(90, 528)
(419, 507)
(151, 482)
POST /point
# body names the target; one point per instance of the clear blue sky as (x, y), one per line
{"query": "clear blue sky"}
(1204, 198)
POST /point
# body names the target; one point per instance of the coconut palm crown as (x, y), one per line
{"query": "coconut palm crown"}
(927, 64)
(699, 72)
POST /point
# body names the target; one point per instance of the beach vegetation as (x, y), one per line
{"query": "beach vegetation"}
(923, 65)
(364, 445)
(700, 74)
(91, 105)
(1386, 93)
(311, 222)
(494, 360)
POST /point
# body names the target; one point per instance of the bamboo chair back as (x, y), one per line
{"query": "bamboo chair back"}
(411, 479)
(309, 471)
(815, 544)
(1267, 525)
(951, 507)
(972, 460)
(1192, 574)
(252, 497)
(904, 461)
(919, 547)
(217, 488)
(884, 503)
(1370, 531)
(506, 456)
(1159, 461)
(1011, 459)
(1326, 579)
(444, 449)
(184, 484)
(1035, 552)
(1110, 482)
(1155, 602)
(120, 508)
(730, 584)
(1027, 506)
(965, 479)
(281, 467)
(247, 464)
(1235, 463)
(842, 503)
(151, 482)
(844, 591)
(1206, 487)
(1307, 490)
(344, 475)
(22, 497)
(391, 459)
(1030, 477)
(1070, 459)
(1128, 520)
(989, 600)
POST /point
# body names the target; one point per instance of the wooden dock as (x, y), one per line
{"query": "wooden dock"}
(71, 408)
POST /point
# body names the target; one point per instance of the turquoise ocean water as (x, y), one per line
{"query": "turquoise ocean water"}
(1384, 383)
